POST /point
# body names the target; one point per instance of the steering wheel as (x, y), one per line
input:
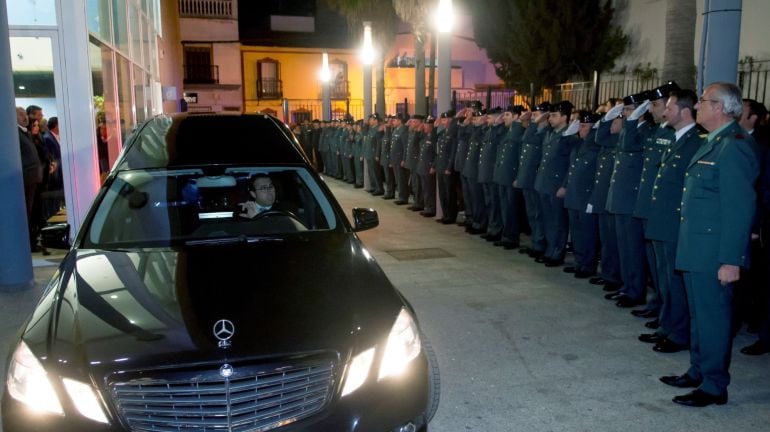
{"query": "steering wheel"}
(278, 212)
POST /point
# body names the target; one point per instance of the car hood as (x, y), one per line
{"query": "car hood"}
(124, 310)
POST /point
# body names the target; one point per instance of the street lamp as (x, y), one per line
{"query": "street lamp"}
(325, 75)
(444, 18)
(367, 58)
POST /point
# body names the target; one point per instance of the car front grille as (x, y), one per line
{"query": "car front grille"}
(253, 398)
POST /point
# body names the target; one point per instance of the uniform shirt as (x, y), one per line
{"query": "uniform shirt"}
(665, 201)
(508, 153)
(627, 171)
(580, 176)
(654, 146)
(718, 202)
(531, 154)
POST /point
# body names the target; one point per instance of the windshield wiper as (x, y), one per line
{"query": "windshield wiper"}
(233, 240)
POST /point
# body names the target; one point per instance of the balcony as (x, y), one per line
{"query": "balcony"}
(201, 74)
(339, 89)
(269, 88)
(217, 9)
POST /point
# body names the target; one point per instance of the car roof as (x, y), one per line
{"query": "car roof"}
(179, 140)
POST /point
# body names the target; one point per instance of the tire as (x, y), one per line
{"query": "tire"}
(434, 381)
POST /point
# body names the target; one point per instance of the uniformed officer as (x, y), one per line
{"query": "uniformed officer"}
(584, 226)
(358, 154)
(388, 173)
(506, 168)
(662, 226)
(718, 204)
(323, 146)
(398, 144)
(621, 200)
(531, 153)
(653, 148)
(315, 137)
(471, 176)
(607, 135)
(465, 127)
(495, 130)
(426, 168)
(412, 158)
(347, 152)
(447, 178)
(370, 150)
(550, 181)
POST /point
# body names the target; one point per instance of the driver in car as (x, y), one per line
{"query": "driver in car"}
(263, 192)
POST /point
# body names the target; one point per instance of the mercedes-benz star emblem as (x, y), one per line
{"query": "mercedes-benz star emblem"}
(226, 371)
(224, 330)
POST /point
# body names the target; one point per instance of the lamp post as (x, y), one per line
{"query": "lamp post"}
(367, 58)
(325, 75)
(444, 17)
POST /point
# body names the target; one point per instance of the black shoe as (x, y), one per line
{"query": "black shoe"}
(511, 245)
(651, 338)
(536, 254)
(698, 398)
(414, 208)
(358, 186)
(757, 348)
(525, 250)
(597, 281)
(427, 214)
(681, 381)
(493, 238)
(569, 269)
(644, 313)
(654, 324)
(627, 302)
(378, 193)
(475, 231)
(554, 263)
(388, 197)
(580, 274)
(541, 259)
(498, 243)
(399, 202)
(447, 221)
(612, 286)
(667, 347)
(614, 296)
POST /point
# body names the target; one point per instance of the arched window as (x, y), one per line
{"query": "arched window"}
(269, 84)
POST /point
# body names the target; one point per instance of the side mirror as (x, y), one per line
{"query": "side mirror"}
(364, 219)
(56, 236)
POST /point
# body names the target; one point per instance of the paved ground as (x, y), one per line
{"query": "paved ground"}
(521, 347)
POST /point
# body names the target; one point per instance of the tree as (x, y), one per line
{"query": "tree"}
(384, 20)
(546, 42)
(680, 41)
(415, 12)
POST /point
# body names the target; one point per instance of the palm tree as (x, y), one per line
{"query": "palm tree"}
(383, 19)
(415, 12)
(678, 60)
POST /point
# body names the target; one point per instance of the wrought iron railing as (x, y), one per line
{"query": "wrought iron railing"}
(201, 74)
(752, 79)
(269, 88)
(220, 9)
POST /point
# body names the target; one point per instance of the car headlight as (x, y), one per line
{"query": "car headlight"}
(28, 382)
(358, 371)
(85, 400)
(403, 346)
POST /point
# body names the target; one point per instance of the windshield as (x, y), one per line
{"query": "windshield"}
(145, 208)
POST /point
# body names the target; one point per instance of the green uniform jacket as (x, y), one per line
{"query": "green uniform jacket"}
(605, 161)
(508, 153)
(531, 153)
(488, 152)
(552, 172)
(654, 147)
(718, 202)
(580, 177)
(664, 211)
(627, 172)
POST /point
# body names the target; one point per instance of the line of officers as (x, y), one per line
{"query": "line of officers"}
(661, 211)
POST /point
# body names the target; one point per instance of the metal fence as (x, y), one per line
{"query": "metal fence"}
(206, 9)
(752, 79)
(301, 109)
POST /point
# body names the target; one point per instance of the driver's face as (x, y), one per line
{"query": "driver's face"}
(264, 191)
